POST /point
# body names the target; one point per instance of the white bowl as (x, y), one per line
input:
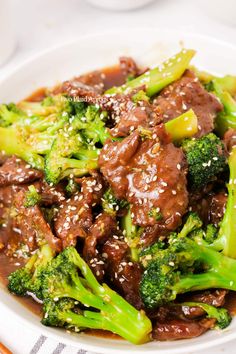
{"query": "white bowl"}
(149, 47)
(119, 5)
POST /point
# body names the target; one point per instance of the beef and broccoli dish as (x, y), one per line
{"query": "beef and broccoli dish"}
(118, 200)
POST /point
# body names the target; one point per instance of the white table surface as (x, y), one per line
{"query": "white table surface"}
(42, 24)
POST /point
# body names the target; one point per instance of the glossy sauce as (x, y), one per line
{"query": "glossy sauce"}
(113, 77)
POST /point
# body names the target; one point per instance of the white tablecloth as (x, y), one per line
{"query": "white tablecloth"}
(42, 24)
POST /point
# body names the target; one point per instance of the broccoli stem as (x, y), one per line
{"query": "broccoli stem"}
(156, 79)
(227, 119)
(126, 321)
(182, 127)
(226, 241)
(12, 144)
(220, 273)
(132, 235)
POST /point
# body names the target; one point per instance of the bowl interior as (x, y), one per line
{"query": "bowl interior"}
(148, 47)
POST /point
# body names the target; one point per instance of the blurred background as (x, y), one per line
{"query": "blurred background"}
(30, 26)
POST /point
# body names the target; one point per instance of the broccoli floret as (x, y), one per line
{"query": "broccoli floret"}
(206, 159)
(27, 279)
(132, 235)
(148, 253)
(60, 280)
(32, 197)
(185, 266)
(110, 204)
(193, 223)
(221, 315)
(60, 161)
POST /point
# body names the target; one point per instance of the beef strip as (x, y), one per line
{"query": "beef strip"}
(187, 93)
(16, 171)
(230, 139)
(51, 195)
(92, 82)
(28, 228)
(150, 174)
(129, 67)
(75, 215)
(211, 297)
(104, 227)
(124, 274)
(181, 329)
(210, 207)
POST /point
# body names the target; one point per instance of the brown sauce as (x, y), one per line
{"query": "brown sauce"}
(113, 77)
(7, 266)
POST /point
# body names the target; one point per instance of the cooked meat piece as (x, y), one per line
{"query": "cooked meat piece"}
(51, 195)
(210, 207)
(16, 171)
(150, 174)
(125, 275)
(217, 205)
(130, 116)
(73, 220)
(152, 233)
(211, 297)
(230, 139)
(7, 196)
(187, 93)
(92, 188)
(181, 329)
(28, 227)
(176, 312)
(91, 82)
(75, 216)
(104, 227)
(129, 68)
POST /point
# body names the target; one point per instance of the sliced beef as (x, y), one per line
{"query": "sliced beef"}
(129, 116)
(103, 228)
(124, 274)
(75, 215)
(230, 139)
(217, 203)
(150, 172)
(210, 207)
(28, 228)
(211, 297)
(129, 67)
(181, 329)
(187, 93)
(51, 195)
(92, 82)
(16, 171)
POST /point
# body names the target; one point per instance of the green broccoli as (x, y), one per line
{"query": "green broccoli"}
(225, 241)
(60, 161)
(132, 235)
(224, 88)
(26, 279)
(222, 316)
(32, 197)
(185, 266)
(156, 79)
(60, 280)
(206, 159)
(110, 204)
